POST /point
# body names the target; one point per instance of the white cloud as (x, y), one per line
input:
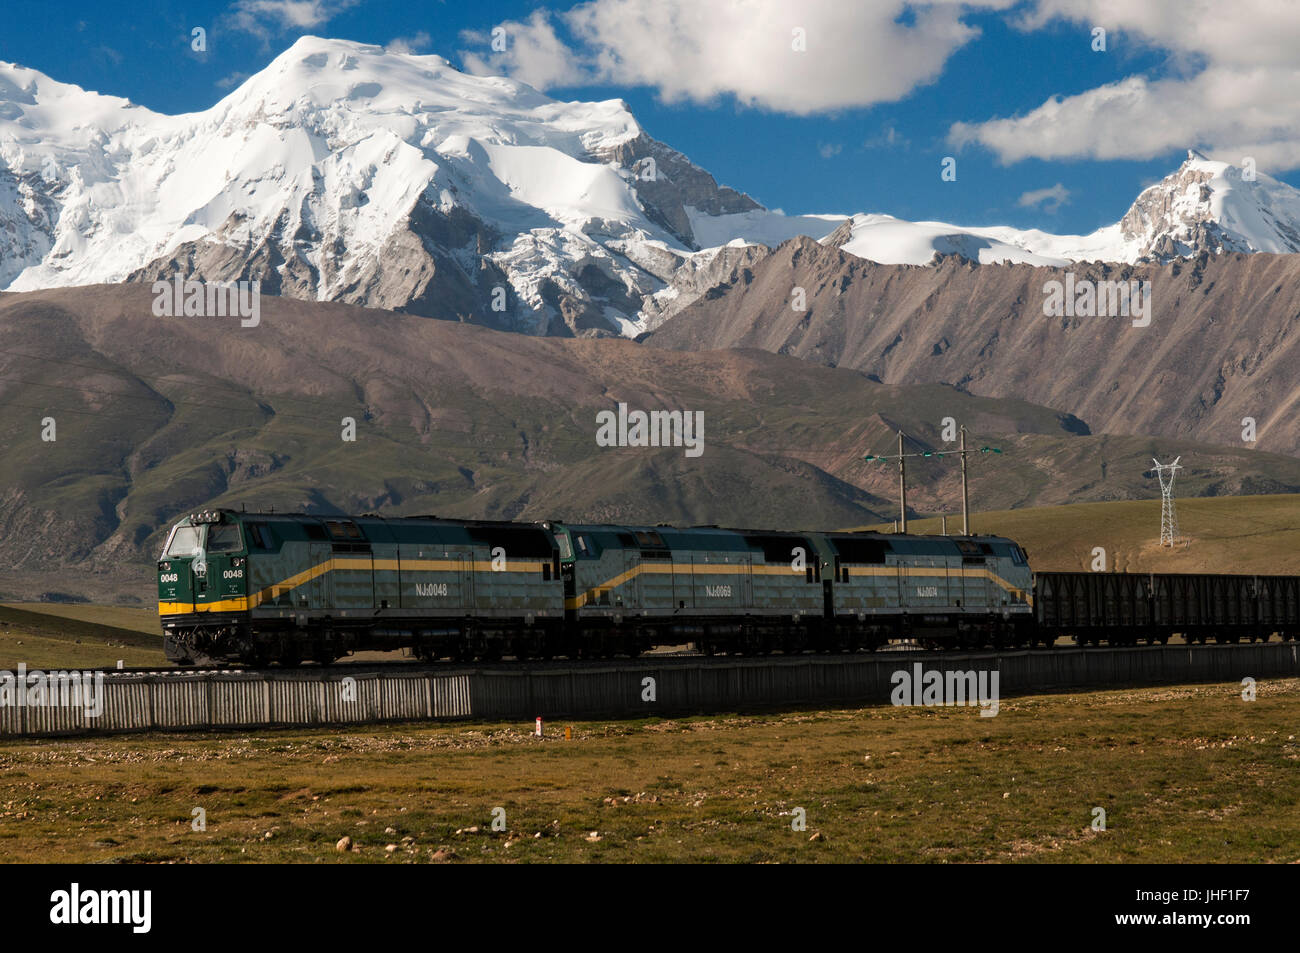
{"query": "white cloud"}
(1050, 199)
(854, 54)
(1240, 32)
(257, 16)
(534, 54)
(889, 138)
(828, 150)
(409, 44)
(1230, 85)
(1232, 88)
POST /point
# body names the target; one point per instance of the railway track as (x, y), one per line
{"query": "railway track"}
(313, 671)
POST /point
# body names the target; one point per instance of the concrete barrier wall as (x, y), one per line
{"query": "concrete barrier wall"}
(186, 701)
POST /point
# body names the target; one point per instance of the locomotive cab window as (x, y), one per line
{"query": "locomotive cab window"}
(224, 538)
(185, 541)
(260, 535)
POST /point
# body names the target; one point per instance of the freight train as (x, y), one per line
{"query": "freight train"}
(263, 587)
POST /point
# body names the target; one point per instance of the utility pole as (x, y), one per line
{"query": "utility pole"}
(902, 456)
(965, 491)
(902, 483)
(965, 499)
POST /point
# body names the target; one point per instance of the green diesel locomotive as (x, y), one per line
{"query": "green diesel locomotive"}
(263, 587)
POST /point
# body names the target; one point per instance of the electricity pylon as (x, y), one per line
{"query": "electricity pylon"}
(1168, 516)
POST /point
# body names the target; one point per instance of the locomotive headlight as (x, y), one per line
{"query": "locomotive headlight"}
(165, 567)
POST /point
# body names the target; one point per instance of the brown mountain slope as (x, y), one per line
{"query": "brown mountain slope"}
(156, 416)
(1223, 342)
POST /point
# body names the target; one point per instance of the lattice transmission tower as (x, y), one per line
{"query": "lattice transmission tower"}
(1168, 515)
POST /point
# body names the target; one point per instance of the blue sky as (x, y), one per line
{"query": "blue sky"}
(860, 123)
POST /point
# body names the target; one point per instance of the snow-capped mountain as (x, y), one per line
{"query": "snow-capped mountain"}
(1204, 205)
(1214, 206)
(344, 172)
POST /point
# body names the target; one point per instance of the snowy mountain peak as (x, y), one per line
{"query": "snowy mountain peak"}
(40, 117)
(343, 171)
(377, 87)
(1214, 206)
(1205, 205)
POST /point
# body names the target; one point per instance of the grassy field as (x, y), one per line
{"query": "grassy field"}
(115, 617)
(1185, 774)
(49, 635)
(1244, 534)
(56, 636)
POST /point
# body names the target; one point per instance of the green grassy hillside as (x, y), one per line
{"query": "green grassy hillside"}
(1247, 534)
